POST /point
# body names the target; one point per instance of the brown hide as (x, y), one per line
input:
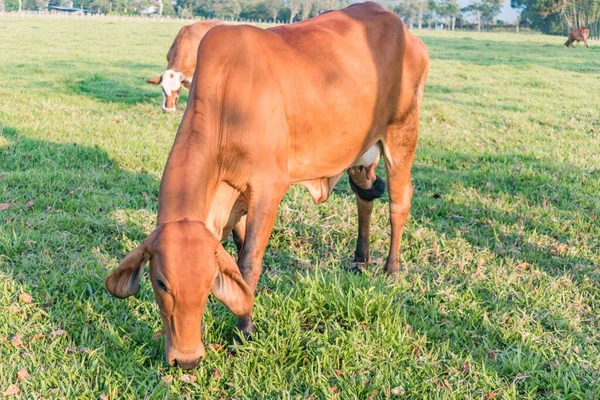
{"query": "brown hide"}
(296, 104)
(182, 55)
(578, 35)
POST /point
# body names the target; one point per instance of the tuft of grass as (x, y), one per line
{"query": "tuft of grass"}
(499, 290)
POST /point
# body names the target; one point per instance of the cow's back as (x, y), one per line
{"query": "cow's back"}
(318, 93)
(579, 34)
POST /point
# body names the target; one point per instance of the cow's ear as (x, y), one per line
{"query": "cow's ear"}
(186, 84)
(155, 81)
(229, 285)
(125, 280)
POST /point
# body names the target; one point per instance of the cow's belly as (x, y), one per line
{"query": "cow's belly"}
(320, 188)
(333, 159)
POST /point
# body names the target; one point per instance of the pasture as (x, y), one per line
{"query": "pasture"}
(498, 294)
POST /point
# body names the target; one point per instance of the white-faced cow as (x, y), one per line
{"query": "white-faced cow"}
(297, 104)
(181, 60)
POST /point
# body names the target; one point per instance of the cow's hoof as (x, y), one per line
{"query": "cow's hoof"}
(392, 267)
(359, 267)
(391, 273)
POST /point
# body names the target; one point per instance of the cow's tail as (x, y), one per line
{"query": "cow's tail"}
(375, 192)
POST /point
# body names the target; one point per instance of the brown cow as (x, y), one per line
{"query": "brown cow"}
(181, 60)
(578, 35)
(296, 104)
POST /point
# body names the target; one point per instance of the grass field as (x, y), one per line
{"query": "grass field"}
(499, 290)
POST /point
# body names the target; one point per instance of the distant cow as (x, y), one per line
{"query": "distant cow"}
(296, 104)
(181, 60)
(578, 35)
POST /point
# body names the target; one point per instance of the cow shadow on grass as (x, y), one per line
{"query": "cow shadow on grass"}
(530, 54)
(511, 197)
(87, 213)
(525, 210)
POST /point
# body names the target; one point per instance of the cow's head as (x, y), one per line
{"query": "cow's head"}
(187, 263)
(171, 83)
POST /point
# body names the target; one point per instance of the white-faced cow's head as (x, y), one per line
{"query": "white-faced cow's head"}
(171, 83)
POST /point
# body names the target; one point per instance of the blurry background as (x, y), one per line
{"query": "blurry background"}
(547, 16)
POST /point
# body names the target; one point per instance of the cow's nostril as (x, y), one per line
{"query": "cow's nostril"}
(187, 364)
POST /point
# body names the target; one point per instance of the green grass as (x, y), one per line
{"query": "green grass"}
(498, 293)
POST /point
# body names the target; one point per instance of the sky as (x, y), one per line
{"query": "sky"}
(507, 15)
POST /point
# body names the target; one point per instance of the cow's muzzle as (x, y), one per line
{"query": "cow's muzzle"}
(185, 360)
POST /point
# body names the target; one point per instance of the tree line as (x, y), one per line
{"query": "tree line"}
(548, 16)
(446, 14)
(559, 16)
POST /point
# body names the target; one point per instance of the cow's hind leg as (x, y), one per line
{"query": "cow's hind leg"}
(262, 211)
(399, 151)
(239, 234)
(366, 191)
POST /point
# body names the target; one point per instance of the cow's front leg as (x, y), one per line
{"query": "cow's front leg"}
(262, 211)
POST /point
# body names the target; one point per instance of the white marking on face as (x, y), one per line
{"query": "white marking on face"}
(170, 82)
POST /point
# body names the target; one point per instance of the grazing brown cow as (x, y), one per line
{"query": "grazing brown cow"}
(578, 35)
(297, 104)
(181, 60)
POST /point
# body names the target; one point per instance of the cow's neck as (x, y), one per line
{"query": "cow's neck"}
(191, 188)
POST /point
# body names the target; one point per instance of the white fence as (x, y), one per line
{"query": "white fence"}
(130, 18)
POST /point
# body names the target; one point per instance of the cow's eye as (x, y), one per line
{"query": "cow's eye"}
(161, 285)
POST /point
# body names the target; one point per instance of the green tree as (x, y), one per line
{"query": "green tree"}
(453, 10)
(100, 6)
(321, 6)
(226, 8)
(273, 7)
(294, 7)
(485, 11)
(305, 9)
(406, 9)
(189, 8)
(11, 5)
(168, 8)
(255, 11)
